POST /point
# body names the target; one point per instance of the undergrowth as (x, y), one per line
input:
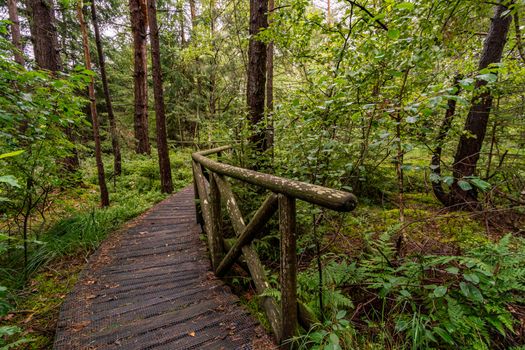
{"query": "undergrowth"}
(378, 301)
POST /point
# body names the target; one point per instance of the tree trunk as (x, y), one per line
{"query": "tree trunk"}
(160, 116)
(257, 73)
(471, 140)
(44, 35)
(269, 88)
(104, 196)
(139, 20)
(193, 13)
(15, 31)
(117, 167)
(435, 163)
(47, 55)
(180, 8)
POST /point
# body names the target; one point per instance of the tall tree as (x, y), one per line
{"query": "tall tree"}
(160, 115)
(111, 116)
(257, 73)
(193, 13)
(15, 31)
(104, 196)
(471, 140)
(44, 35)
(47, 55)
(139, 22)
(269, 85)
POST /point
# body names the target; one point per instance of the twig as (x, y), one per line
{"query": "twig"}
(369, 13)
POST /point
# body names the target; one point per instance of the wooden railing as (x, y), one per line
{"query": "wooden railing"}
(211, 187)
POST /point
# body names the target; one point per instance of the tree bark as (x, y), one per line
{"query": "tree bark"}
(104, 196)
(471, 140)
(139, 20)
(117, 167)
(193, 13)
(15, 31)
(269, 88)
(257, 73)
(435, 163)
(44, 35)
(47, 55)
(160, 115)
(180, 8)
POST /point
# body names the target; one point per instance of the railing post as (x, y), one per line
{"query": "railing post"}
(198, 207)
(216, 223)
(288, 276)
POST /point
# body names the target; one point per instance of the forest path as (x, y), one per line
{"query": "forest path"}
(150, 286)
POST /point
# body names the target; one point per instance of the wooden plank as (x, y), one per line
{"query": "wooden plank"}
(261, 217)
(288, 265)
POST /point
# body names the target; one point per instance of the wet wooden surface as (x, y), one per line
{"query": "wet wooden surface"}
(150, 287)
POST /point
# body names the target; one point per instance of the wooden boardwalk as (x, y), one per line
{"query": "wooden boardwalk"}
(150, 287)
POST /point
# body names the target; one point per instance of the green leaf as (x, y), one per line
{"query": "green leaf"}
(11, 154)
(405, 6)
(440, 291)
(489, 77)
(464, 289)
(452, 270)
(405, 293)
(443, 335)
(10, 180)
(340, 314)
(471, 277)
(475, 293)
(449, 180)
(393, 33)
(464, 185)
(334, 338)
(482, 185)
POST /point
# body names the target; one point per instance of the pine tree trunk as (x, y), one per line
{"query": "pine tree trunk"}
(15, 31)
(160, 116)
(193, 13)
(255, 89)
(47, 56)
(469, 147)
(104, 196)
(139, 20)
(111, 116)
(44, 35)
(180, 8)
(269, 88)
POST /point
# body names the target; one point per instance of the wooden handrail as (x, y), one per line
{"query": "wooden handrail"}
(212, 189)
(323, 196)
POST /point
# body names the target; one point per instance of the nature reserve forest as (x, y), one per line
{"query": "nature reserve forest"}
(416, 108)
